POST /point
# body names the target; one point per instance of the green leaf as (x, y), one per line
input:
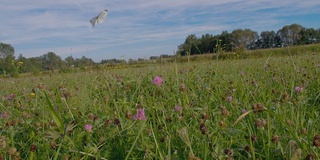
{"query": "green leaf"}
(55, 116)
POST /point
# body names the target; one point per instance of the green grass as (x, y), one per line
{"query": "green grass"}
(47, 116)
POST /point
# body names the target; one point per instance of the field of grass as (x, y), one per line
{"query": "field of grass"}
(255, 108)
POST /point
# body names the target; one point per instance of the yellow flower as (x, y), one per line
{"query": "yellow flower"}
(21, 63)
(32, 94)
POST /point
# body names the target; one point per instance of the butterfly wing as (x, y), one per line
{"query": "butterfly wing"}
(102, 16)
(94, 21)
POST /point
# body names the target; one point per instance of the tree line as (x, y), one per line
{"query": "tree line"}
(239, 39)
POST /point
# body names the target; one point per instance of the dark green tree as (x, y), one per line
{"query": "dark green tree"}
(51, 61)
(244, 38)
(6, 57)
(291, 35)
(267, 39)
(190, 46)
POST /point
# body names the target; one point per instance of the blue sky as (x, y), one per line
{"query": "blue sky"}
(138, 28)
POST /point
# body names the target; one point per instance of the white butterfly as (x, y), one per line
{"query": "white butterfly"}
(99, 19)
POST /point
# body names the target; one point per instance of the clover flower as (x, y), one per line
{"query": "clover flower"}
(157, 81)
(88, 127)
(298, 89)
(140, 115)
(177, 108)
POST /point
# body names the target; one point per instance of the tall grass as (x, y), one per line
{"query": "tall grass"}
(256, 108)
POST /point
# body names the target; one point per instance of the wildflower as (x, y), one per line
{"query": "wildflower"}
(177, 108)
(304, 131)
(275, 138)
(205, 116)
(259, 123)
(254, 138)
(311, 157)
(228, 152)
(53, 144)
(116, 122)
(243, 111)
(257, 108)
(298, 89)
(316, 141)
(5, 115)
(129, 115)
(20, 62)
(33, 148)
(11, 96)
(285, 97)
(203, 128)
(88, 127)
(157, 81)
(224, 111)
(140, 115)
(91, 116)
(183, 87)
(247, 148)
(32, 94)
(229, 99)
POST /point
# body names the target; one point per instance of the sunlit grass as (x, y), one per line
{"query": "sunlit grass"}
(256, 108)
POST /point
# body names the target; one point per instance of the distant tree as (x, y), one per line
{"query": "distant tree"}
(267, 39)
(70, 61)
(6, 54)
(84, 61)
(244, 38)
(153, 57)
(9, 65)
(309, 36)
(190, 46)
(226, 41)
(24, 63)
(51, 61)
(291, 34)
(207, 43)
(6, 50)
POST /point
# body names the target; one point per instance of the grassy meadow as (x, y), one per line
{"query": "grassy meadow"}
(248, 108)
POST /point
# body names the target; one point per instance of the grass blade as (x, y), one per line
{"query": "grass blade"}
(55, 116)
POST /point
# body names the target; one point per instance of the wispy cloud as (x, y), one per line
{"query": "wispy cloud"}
(137, 27)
